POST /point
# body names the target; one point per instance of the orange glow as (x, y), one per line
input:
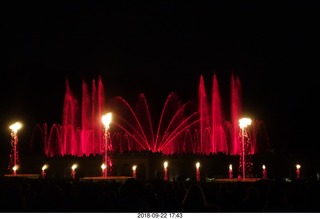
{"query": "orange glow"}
(165, 164)
(15, 168)
(106, 120)
(244, 122)
(44, 167)
(74, 166)
(15, 127)
(298, 166)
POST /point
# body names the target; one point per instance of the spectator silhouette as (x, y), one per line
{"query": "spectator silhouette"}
(169, 198)
(14, 199)
(130, 197)
(252, 201)
(195, 201)
(276, 199)
(55, 198)
(152, 197)
(225, 199)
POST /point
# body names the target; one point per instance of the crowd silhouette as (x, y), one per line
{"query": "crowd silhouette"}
(132, 195)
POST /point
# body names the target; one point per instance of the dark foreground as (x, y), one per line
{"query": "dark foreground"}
(20, 194)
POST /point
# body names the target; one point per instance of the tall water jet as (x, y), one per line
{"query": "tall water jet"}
(81, 130)
(213, 126)
(236, 111)
(205, 126)
(219, 141)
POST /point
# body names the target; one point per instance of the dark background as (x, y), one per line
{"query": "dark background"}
(157, 47)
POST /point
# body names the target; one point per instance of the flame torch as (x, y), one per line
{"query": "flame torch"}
(14, 142)
(106, 120)
(73, 171)
(15, 168)
(264, 171)
(165, 165)
(104, 169)
(230, 172)
(134, 172)
(298, 166)
(43, 172)
(243, 123)
(198, 171)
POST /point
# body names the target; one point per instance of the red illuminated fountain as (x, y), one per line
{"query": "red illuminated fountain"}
(213, 128)
(217, 133)
(172, 135)
(81, 130)
(199, 127)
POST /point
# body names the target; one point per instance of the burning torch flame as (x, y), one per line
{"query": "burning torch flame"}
(45, 167)
(74, 166)
(15, 127)
(165, 164)
(298, 166)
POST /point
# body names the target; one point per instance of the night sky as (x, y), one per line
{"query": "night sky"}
(157, 47)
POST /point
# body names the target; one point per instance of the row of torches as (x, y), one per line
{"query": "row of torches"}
(165, 166)
(106, 119)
